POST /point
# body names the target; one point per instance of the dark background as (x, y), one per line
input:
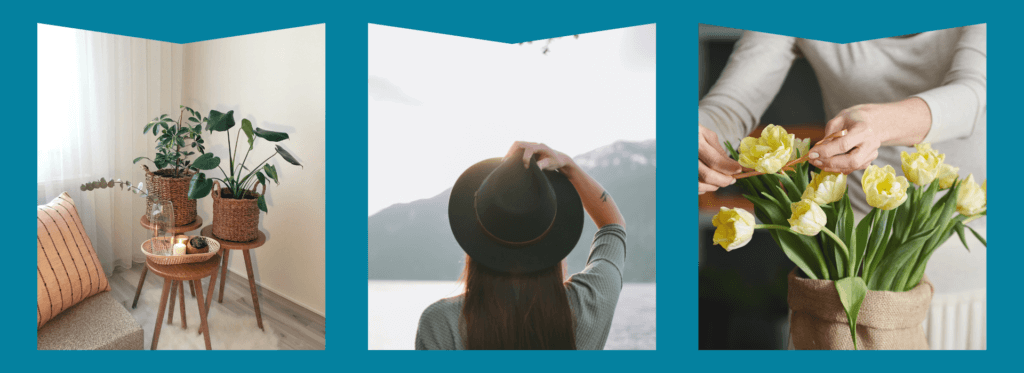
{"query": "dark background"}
(742, 294)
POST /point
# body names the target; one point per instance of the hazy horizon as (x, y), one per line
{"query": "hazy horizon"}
(432, 195)
(439, 103)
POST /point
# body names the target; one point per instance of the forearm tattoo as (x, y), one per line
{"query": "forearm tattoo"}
(604, 196)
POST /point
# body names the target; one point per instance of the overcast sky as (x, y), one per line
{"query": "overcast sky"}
(439, 103)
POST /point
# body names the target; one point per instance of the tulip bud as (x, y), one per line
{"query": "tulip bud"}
(947, 175)
(768, 153)
(973, 199)
(883, 188)
(922, 166)
(808, 218)
(733, 228)
(825, 188)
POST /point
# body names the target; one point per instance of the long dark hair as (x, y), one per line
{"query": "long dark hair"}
(504, 311)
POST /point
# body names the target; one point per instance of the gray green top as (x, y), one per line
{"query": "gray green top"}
(593, 294)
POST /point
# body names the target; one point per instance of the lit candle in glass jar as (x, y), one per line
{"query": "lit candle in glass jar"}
(179, 247)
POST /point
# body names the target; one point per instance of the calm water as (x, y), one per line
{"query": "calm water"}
(395, 307)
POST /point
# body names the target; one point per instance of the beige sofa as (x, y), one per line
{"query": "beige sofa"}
(97, 323)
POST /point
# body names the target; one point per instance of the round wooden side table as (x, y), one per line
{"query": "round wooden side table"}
(178, 273)
(177, 230)
(226, 246)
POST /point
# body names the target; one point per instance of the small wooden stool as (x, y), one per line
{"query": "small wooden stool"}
(177, 230)
(226, 246)
(178, 273)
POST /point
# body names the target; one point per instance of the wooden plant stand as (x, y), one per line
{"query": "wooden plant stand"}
(177, 230)
(226, 246)
(175, 276)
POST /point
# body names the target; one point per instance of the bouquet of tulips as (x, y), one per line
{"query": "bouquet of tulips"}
(887, 250)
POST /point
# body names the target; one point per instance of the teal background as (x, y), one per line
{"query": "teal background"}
(184, 21)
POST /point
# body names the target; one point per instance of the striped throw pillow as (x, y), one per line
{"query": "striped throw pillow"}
(68, 270)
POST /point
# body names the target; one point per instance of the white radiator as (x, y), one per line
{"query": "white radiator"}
(957, 321)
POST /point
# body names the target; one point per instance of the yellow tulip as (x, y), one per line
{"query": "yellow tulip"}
(825, 188)
(922, 166)
(883, 188)
(768, 153)
(733, 228)
(947, 175)
(808, 218)
(800, 148)
(973, 198)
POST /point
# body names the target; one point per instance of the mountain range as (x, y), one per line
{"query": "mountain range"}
(413, 241)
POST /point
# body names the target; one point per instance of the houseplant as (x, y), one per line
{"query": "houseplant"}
(237, 205)
(876, 266)
(176, 141)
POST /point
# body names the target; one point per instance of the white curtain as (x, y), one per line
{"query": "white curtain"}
(96, 91)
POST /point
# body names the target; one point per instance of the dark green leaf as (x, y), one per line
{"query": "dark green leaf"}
(206, 162)
(287, 156)
(199, 186)
(148, 126)
(263, 179)
(247, 128)
(221, 121)
(271, 136)
(193, 119)
(139, 159)
(262, 203)
(851, 293)
(271, 172)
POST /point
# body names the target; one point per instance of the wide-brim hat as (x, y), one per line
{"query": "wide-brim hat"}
(513, 219)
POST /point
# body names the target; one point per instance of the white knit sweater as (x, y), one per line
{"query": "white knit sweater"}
(945, 68)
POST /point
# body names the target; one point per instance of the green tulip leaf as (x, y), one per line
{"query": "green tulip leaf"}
(271, 172)
(220, 122)
(262, 203)
(958, 226)
(851, 293)
(199, 186)
(206, 162)
(272, 136)
(287, 156)
(978, 236)
(247, 128)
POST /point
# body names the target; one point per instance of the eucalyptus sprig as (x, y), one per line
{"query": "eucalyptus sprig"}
(238, 178)
(172, 137)
(102, 183)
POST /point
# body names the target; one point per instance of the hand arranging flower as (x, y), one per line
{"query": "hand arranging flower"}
(887, 250)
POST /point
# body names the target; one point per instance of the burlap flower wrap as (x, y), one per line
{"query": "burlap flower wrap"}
(887, 321)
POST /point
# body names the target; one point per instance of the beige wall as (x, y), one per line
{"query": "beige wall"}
(276, 80)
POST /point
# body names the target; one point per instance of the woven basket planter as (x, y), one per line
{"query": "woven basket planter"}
(235, 219)
(887, 320)
(174, 189)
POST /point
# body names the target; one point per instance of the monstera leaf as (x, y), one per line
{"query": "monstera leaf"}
(220, 122)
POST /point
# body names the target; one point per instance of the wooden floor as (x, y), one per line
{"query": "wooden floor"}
(297, 327)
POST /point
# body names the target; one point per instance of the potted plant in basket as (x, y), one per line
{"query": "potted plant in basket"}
(176, 141)
(237, 205)
(873, 269)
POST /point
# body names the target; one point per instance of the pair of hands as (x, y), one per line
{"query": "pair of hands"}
(866, 127)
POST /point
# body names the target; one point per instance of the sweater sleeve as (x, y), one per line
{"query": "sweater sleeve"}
(594, 292)
(960, 102)
(754, 75)
(436, 327)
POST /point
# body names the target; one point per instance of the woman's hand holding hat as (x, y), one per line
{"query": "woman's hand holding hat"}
(547, 158)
